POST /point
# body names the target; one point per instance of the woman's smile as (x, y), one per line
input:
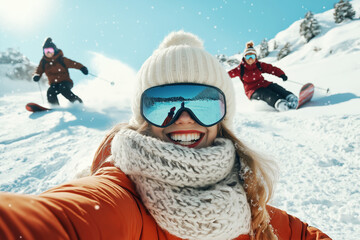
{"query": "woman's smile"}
(186, 132)
(188, 138)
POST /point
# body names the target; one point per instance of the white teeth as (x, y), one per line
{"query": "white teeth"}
(185, 139)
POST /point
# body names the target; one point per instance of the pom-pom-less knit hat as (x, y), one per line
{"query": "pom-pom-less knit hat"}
(181, 58)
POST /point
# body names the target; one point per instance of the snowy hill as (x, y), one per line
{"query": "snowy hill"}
(16, 68)
(317, 147)
(16, 64)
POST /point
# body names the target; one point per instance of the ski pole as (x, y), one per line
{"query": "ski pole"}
(42, 97)
(111, 82)
(327, 90)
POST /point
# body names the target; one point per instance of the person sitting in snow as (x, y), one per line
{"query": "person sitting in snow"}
(256, 87)
(56, 66)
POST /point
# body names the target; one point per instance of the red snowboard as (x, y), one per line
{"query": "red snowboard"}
(33, 107)
(305, 95)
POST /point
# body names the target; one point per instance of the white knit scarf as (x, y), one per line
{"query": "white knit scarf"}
(191, 193)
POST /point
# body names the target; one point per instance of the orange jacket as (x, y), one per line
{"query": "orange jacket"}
(105, 206)
(56, 68)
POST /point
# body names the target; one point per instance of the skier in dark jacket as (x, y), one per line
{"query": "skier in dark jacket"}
(56, 66)
(256, 87)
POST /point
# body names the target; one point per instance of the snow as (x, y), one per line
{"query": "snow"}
(316, 147)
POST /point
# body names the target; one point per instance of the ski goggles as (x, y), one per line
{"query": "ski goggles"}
(162, 105)
(253, 56)
(49, 50)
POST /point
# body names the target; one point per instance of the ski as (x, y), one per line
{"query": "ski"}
(305, 94)
(33, 107)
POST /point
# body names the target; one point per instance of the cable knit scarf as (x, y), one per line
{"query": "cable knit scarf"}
(191, 193)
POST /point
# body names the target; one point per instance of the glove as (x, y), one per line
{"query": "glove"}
(284, 77)
(36, 78)
(84, 70)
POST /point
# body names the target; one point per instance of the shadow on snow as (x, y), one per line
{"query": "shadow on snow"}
(332, 99)
(85, 117)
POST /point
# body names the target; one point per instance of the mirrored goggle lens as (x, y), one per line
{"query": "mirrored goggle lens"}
(162, 105)
(46, 50)
(253, 56)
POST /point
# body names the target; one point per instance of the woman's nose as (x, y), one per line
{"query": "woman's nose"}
(184, 118)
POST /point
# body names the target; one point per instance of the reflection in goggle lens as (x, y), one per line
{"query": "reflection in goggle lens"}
(162, 105)
(49, 50)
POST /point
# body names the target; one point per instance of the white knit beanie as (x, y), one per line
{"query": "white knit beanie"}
(181, 58)
(250, 48)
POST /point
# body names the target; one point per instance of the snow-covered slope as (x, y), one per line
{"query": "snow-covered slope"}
(317, 147)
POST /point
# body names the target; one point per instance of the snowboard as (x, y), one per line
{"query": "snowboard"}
(305, 95)
(33, 107)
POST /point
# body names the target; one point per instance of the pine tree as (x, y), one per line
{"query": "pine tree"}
(226, 61)
(17, 66)
(284, 51)
(275, 45)
(310, 27)
(221, 58)
(264, 49)
(342, 10)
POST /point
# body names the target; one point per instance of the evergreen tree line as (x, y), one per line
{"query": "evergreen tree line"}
(309, 28)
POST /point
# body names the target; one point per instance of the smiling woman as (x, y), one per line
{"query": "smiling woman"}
(21, 16)
(178, 181)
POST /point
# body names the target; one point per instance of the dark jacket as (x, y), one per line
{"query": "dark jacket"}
(56, 68)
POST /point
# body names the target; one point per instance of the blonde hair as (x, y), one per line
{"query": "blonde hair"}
(258, 176)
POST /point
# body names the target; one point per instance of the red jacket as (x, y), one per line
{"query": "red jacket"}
(105, 206)
(252, 78)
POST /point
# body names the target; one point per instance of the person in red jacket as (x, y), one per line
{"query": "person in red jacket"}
(256, 87)
(56, 66)
(169, 117)
(191, 178)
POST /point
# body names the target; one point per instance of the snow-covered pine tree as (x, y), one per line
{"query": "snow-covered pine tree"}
(221, 58)
(309, 27)
(233, 62)
(226, 61)
(275, 45)
(343, 9)
(17, 65)
(264, 49)
(284, 51)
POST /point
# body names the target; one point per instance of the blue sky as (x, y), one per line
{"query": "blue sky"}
(129, 30)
